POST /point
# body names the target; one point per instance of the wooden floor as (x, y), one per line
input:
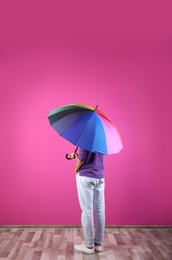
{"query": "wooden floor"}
(58, 244)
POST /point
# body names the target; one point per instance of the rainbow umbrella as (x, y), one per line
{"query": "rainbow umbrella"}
(86, 127)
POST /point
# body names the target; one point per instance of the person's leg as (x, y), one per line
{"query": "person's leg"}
(85, 194)
(99, 209)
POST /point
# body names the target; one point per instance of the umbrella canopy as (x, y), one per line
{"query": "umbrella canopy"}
(86, 127)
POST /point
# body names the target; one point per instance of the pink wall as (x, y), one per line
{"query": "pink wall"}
(119, 56)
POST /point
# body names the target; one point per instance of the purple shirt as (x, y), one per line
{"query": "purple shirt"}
(93, 164)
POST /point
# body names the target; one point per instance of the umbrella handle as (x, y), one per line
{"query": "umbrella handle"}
(69, 158)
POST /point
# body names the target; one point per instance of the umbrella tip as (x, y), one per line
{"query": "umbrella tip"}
(96, 106)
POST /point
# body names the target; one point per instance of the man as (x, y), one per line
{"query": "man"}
(89, 172)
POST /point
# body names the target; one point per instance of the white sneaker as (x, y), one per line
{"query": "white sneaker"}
(98, 248)
(84, 249)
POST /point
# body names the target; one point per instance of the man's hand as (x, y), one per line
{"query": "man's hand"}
(73, 155)
(78, 165)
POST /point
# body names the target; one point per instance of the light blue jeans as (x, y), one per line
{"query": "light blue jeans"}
(91, 198)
